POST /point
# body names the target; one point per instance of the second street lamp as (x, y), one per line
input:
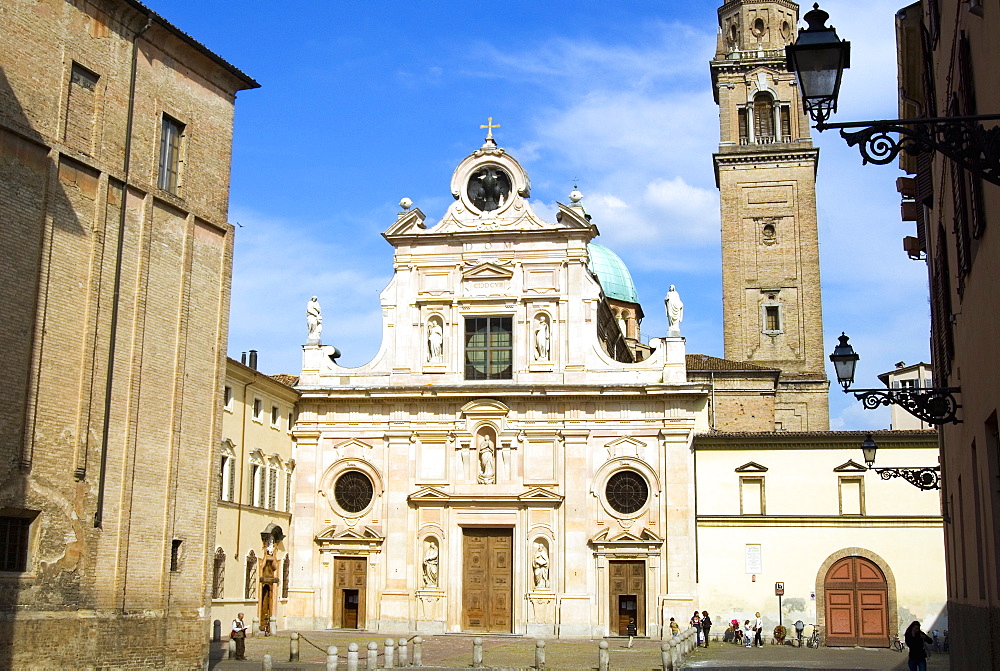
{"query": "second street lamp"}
(935, 405)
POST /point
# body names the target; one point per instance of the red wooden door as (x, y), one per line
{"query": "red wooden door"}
(857, 604)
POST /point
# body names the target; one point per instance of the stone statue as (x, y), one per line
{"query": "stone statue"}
(542, 339)
(541, 566)
(435, 341)
(314, 320)
(487, 460)
(431, 563)
(675, 311)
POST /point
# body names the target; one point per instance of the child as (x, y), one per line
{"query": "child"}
(747, 633)
(675, 629)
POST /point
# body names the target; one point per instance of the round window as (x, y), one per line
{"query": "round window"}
(489, 188)
(627, 492)
(353, 491)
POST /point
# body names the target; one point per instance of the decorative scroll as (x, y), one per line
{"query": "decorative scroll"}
(926, 478)
(934, 406)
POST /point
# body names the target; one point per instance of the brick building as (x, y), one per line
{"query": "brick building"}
(115, 140)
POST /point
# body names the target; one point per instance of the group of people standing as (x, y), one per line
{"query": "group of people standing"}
(752, 632)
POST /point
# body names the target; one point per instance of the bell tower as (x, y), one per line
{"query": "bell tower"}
(766, 173)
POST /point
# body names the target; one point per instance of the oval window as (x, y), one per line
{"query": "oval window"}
(758, 27)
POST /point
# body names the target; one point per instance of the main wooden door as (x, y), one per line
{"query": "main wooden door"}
(487, 579)
(628, 596)
(350, 576)
(857, 604)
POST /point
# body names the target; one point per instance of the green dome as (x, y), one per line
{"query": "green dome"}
(611, 273)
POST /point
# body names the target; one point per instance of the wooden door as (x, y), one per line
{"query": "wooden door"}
(628, 596)
(487, 579)
(350, 577)
(857, 604)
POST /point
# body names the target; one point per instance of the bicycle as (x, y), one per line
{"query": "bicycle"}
(813, 641)
(897, 644)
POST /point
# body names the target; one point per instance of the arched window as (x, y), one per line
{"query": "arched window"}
(250, 587)
(763, 118)
(218, 573)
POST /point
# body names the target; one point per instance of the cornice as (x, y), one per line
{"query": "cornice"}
(841, 521)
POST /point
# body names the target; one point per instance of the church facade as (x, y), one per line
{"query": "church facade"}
(506, 462)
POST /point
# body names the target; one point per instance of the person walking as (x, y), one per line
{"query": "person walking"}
(915, 641)
(706, 625)
(239, 634)
(758, 631)
(675, 629)
(696, 623)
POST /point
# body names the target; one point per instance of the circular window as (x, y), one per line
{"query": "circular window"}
(786, 29)
(758, 27)
(353, 491)
(768, 231)
(489, 188)
(627, 492)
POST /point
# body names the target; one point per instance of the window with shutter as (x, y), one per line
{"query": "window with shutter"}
(763, 118)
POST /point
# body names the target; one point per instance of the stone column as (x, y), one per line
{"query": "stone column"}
(576, 602)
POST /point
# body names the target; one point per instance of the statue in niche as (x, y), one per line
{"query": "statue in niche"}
(431, 563)
(542, 338)
(314, 320)
(540, 565)
(675, 311)
(487, 460)
(435, 341)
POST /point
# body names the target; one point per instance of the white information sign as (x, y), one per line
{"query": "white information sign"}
(754, 561)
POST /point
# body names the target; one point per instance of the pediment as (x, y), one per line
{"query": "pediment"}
(850, 466)
(645, 537)
(751, 467)
(485, 406)
(572, 217)
(540, 495)
(487, 271)
(429, 495)
(352, 442)
(409, 223)
(347, 535)
(625, 447)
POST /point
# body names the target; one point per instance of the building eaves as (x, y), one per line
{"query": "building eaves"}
(704, 362)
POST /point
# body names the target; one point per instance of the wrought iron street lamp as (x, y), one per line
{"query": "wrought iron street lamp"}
(934, 405)
(818, 58)
(921, 477)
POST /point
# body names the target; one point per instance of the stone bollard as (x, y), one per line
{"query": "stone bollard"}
(217, 630)
(418, 651)
(266, 664)
(293, 647)
(232, 649)
(273, 626)
(404, 653)
(372, 656)
(602, 656)
(331, 658)
(477, 652)
(675, 661)
(255, 627)
(665, 657)
(390, 654)
(352, 657)
(539, 655)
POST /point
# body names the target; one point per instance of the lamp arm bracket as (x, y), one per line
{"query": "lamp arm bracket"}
(925, 477)
(963, 139)
(934, 406)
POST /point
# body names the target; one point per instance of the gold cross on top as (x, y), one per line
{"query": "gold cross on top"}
(489, 126)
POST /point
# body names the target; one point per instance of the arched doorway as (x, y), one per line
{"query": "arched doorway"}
(857, 604)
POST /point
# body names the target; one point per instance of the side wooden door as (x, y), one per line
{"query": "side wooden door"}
(487, 579)
(857, 604)
(350, 577)
(627, 590)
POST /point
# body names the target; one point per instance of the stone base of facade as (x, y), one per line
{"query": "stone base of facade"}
(972, 636)
(103, 639)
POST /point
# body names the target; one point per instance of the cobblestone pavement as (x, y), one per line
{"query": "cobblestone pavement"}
(453, 651)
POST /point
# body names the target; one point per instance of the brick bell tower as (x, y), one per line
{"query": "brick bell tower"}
(766, 173)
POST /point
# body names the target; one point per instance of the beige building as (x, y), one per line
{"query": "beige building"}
(250, 564)
(947, 55)
(115, 135)
(859, 556)
(914, 376)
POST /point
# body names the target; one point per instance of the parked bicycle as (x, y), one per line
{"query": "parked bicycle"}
(897, 644)
(813, 641)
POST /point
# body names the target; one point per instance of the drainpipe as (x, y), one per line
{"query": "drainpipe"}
(109, 381)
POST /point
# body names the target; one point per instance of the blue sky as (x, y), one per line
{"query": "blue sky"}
(364, 103)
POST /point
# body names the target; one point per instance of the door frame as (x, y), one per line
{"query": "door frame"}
(509, 529)
(641, 599)
(890, 582)
(337, 595)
